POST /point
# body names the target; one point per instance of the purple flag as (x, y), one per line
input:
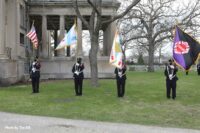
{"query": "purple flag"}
(185, 49)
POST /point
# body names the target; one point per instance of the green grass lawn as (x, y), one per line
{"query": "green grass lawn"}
(144, 103)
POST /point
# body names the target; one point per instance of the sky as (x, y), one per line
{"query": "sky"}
(166, 49)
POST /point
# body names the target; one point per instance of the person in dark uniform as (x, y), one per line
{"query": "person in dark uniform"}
(198, 68)
(121, 80)
(78, 75)
(187, 72)
(35, 74)
(171, 78)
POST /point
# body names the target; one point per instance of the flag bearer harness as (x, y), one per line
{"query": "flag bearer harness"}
(170, 72)
(77, 69)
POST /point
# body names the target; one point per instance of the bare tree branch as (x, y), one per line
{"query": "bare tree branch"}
(99, 16)
(162, 39)
(75, 4)
(133, 38)
(94, 7)
(135, 2)
(162, 31)
(158, 17)
(192, 12)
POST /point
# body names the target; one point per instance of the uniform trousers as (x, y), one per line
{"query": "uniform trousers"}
(171, 85)
(120, 87)
(198, 71)
(78, 86)
(35, 84)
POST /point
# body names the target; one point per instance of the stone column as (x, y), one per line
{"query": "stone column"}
(19, 52)
(108, 36)
(2, 30)
(61, 52)
(45, 46)
(79, 51)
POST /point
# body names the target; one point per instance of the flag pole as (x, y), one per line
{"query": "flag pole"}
(33, 22)
(177, 22)
(174, 34)
(123, 49)
(35, 50)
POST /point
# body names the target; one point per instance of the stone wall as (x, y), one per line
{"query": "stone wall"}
(60, 68)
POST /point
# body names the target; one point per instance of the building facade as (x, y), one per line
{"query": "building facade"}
(52, 18)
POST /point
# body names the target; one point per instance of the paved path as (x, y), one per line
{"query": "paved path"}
(14, 123)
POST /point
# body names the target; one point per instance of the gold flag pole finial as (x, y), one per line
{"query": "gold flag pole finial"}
(33, 22)
(177, 22)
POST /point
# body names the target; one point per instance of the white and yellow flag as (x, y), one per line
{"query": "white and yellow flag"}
(70, 38)
(63, 43)
(116, 54)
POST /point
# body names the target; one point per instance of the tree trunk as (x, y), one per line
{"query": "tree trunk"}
(151, 58)
(93, 58)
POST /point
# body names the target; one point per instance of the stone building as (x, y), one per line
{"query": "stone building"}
(52, 18)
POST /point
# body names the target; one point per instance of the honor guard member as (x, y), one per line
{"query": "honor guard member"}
(78, 75)
(121, 80)
(35, 75)
(171, 78)
(198, 68)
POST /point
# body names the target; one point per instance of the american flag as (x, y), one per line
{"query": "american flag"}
(33, 36)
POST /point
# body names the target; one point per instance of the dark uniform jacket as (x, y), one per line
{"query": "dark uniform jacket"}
(171, 71)
(34, 69)
(121, 72)
(77, 70)
(198, 66)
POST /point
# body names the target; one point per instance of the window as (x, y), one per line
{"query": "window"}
(22, 16)
(21, 38)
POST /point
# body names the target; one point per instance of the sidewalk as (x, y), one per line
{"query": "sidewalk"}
(14, 123)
